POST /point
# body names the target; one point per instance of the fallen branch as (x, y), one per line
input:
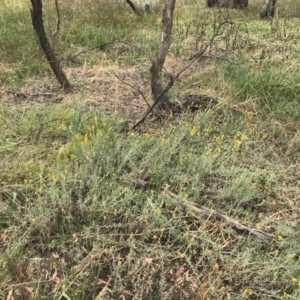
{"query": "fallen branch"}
(211, 213)
(207, 212)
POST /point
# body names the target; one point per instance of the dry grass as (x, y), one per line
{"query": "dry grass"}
(72, 224)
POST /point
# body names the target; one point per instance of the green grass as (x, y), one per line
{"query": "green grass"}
(72, 223)
(93, 28)
(88, 219)
(275, 85)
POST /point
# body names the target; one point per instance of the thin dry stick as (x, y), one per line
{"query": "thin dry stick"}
(210, 213)
(133, 87)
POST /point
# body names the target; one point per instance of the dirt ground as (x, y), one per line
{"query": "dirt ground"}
(116, 88)
(94, 86)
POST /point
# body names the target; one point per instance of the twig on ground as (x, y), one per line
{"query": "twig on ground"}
(211, 213)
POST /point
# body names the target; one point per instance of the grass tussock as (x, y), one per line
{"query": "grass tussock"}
(73, 225)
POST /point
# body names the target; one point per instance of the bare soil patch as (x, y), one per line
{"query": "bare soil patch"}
(114, 87)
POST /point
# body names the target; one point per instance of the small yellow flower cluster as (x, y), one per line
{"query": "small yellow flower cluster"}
(54, 179)
(162, 230)
(286, 295)
(191, 240)
(280, 238)
(157, 212)
(195, 130)
(219, 139)
(247, 292)
(238, 141)
(207, 130)
(180, 254)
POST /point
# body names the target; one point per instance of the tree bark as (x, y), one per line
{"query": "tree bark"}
(129, 2)
(268, 9)
(38, 25)
(163, 48)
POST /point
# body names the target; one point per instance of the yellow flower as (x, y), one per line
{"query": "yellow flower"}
(247, 292)
(85, 139)
(181, 255)
(157, 212)
(191, 240)
(286, 295)
(54, 179)
(280, 238)
(193, 131)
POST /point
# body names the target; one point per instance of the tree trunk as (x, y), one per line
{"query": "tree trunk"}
(129, 2)
(268, 9)
(38, 25)
(163, 48)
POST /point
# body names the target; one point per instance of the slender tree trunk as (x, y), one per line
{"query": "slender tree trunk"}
(38, 25)
(129, 2)
(268, 9)
(163, 48)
